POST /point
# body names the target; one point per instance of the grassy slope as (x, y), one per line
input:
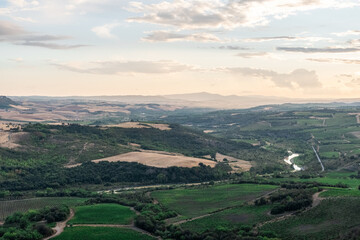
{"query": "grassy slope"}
(340, 192)
(96, 233)
(9, 207)
(199, 201)
(228, 219)
(103, 214)
(326, 221)
(289, 129)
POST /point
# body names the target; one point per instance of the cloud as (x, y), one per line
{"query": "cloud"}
(286, 38)
(49, 45)
(117, 67)
(335, 60)
(266, 39)
(354, 42)
(299, 78)
(18, 60)
(318, 50)
(354, 80)
(251, 54)
(104, 31)
(198, 14)
(15, 34)
(165, 36)
(23, 3)
(9, 29)
(347, 33)
(231, 47)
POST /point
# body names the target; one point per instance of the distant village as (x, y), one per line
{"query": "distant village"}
(10, 127)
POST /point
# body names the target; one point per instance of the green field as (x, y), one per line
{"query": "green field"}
(202, 200)
(228, 219)
(329, 155)
(9, 207)
(330, 178)
(96, 233)
(326, 221)
(103, 214)
(340, 192)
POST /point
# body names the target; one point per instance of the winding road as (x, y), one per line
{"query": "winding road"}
(59, 228)
(316, 201)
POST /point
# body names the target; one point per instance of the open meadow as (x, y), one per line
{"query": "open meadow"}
(243, 216)
(201, 200)
(103, 214)
(97, 233)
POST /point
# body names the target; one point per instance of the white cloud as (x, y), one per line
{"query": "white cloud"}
(347, 33)
(104, 31)
(117, 67)
(18, 60)
(252, 54)
(166, 36)
(299, 78)
(197, 14)
(15, 34)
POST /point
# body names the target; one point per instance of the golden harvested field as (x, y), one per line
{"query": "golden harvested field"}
(156, 159)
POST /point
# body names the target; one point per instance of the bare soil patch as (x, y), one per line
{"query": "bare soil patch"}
(11, 139)
(357, 115)
(356, 134)
(236, 164)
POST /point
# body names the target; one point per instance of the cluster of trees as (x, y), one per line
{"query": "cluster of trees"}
(291, 200)
(32, 224)
(50, 176)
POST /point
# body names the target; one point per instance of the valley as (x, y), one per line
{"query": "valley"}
(209, 174)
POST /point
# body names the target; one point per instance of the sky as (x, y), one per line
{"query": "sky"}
(285, 48)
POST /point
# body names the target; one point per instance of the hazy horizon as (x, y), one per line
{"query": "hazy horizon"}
(292, 49)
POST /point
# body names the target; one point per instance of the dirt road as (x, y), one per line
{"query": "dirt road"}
(59, 228)
(316, 202)
(223, 209)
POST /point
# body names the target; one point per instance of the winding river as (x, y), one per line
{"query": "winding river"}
(288, 161)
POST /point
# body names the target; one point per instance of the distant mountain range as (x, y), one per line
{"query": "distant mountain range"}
(195, 100)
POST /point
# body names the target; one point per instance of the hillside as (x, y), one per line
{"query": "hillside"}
(41, 151)
(5, 102)
(333, 130)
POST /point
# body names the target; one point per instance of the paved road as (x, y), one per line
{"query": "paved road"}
(318, 158)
